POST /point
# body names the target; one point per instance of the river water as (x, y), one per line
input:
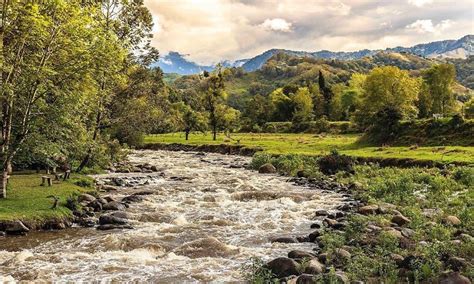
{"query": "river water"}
(206, 217)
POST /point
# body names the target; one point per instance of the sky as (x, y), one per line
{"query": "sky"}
(209, 31)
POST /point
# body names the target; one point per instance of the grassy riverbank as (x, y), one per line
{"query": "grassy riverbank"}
(316, 145)
(27, 200)
(418, 225)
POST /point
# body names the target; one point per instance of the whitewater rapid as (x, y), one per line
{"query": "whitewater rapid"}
(206, 217)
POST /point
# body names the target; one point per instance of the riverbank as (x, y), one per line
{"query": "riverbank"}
(413, 225)
(32, 204)
(317, 145)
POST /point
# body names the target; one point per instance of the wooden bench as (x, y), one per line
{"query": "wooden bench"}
(46, 180)
(58, 176)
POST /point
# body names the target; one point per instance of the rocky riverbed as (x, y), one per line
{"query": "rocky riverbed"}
(183, 217)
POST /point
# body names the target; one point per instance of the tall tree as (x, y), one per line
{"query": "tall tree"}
(440, 80)
(390, 87)
(46, 54)
(213, 96)
(130, 22)
(326, 92)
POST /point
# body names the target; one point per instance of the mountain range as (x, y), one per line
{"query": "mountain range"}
(175, 62)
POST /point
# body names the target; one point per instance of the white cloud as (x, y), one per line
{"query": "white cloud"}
(420, 3)
(166, 61)
(426, 26)
(277, 24)
(214, 30)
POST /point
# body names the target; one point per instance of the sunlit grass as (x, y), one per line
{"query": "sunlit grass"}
(27, 200)
(310, 144)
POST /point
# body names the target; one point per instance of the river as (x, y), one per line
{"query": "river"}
(206, 217)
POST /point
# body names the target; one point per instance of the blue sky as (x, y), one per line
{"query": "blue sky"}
(213, 30)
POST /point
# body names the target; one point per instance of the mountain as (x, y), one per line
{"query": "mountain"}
(462, 48)
(175, 62)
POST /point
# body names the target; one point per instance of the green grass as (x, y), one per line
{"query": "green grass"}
(310, 144)
(27, 200)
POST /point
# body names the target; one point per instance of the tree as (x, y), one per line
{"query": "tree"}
(337, 111)
(227, 118)
(390, 87)
(469, 109)
(326, 92)
(46, 54)
(318, 100)
(213, 96)
(440, 80)
(281, 105)
(130, 23)
(189, 119)
(303, 106)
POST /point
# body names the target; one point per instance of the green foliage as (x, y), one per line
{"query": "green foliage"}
(385, 125)
(439, 81)
(390, 87)
(255, 272)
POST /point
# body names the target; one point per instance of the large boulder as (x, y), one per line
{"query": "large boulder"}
(85, 197)
(113, 206)
(400, 220)
(369, 209)
(283, 267)
(110, 219)
(299, 254)
(133, 198)
(267, 169)
(452, 220)
(287, 240)
(314, 267)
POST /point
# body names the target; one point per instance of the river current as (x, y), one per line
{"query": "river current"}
(206, 216)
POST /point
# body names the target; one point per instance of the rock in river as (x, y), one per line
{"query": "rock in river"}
(113, 205)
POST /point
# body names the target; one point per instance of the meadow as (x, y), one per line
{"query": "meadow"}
(322, 144)
(28, 200)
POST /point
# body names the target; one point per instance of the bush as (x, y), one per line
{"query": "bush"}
(334, 162)
(72, 202)
(259, 159)
(254, 271)
(83, 182)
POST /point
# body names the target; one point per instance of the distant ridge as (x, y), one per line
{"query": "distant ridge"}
(175, 62)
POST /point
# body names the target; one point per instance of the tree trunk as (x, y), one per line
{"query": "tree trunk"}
(6, 166)
(187, 134)
(214, 132)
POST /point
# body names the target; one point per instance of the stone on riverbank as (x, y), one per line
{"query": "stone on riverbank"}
(267, 169)
(113, 205)
(283, 267)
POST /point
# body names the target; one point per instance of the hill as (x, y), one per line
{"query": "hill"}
(454, 49)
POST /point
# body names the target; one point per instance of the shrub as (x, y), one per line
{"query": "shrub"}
(254, 271)
(334, 162)
(83, 182)
(72, 202)
(259, 159)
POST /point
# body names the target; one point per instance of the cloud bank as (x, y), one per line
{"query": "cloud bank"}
(212, 30)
